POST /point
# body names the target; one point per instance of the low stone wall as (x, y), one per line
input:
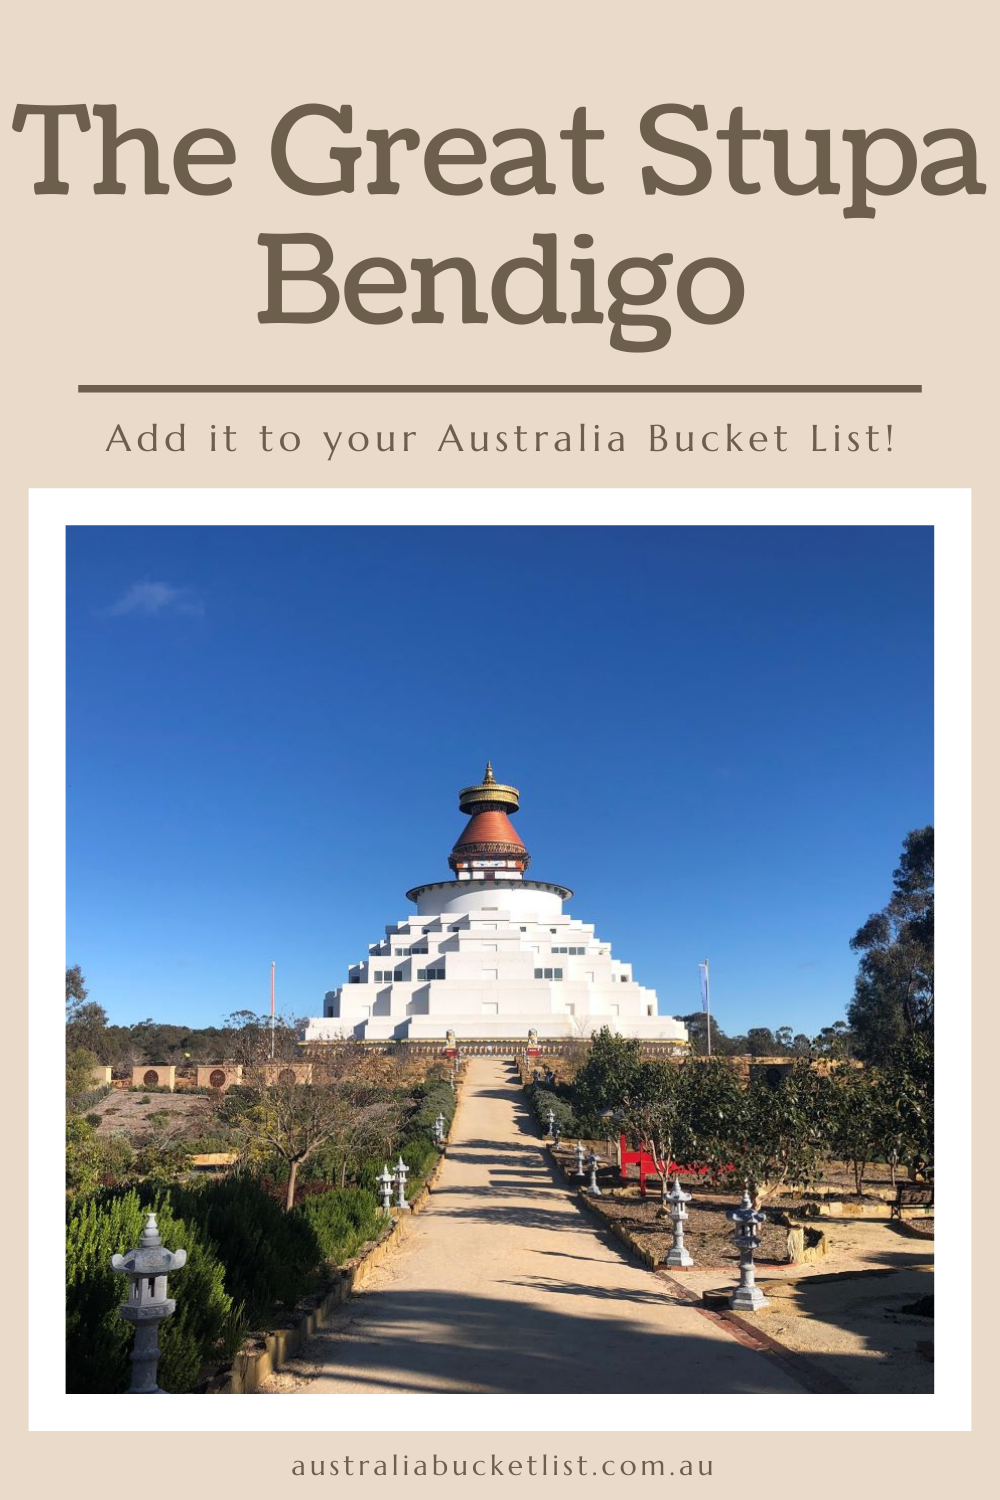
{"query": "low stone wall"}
(155, 1076)
(836, 1209)
(265, 1356)
(219, 1076)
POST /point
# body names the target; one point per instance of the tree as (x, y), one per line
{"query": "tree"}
(366, 1127)
(714, 1098)
(294, 1121)
(834, 1042)
(80, 1065)
(607, 1077)
(857, 1120)
(761, 1042)
(906, 1106)
(76, 988)
(86, 1021)
(655, 1111)
(87, 1026)
(252, 1040)
(698, 1024)
(775, 1135)
(894, 989)
(687, 1112)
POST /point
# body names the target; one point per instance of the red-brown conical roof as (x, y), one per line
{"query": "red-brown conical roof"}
(490, 827)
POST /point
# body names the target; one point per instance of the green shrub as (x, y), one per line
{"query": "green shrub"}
(115, 1157)
(271, 1258)
(419, 1151)
(419, 1155)
(161, 1163)
(431, 1099)
(342, 1221)
(80, 1064)
(542, 1100)
(369, 1169)
(98, 1341)
(203, 1145)
(82, 1155)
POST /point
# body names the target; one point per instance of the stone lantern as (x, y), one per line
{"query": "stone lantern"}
(402, 1172)
(148, 1303)
(384, 1181)
(678, 1254)
(611, 1118)
(747, 1296)
(550, 1121)
(592, 1187)
(439, 1130)
(580, 1158)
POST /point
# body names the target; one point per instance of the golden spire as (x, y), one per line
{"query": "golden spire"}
(489, 793)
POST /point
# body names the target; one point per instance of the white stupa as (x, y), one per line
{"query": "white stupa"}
(490, 954)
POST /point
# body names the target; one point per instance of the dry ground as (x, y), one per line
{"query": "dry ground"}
(128, 1112)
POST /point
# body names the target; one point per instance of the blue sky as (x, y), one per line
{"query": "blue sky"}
(721, 736)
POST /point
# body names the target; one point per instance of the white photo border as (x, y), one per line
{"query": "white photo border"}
(52, 510)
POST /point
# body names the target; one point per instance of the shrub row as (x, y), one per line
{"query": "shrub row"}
(542, 1100)
(247, 1261)
(343, 1222)
(80, 1103)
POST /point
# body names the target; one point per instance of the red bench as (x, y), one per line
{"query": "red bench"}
(650, 1167)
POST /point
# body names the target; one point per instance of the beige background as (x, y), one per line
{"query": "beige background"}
(167, 289)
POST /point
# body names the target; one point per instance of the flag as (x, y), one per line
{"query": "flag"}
(703, 976)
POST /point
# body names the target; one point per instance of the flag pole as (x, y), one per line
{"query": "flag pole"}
(272, 1010)
(706, 1004)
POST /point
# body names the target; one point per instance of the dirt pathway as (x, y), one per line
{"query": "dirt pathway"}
(506, 1285)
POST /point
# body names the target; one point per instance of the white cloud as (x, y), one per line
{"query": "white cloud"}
(148, 598)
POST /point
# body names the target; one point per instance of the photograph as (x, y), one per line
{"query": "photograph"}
(499, 959)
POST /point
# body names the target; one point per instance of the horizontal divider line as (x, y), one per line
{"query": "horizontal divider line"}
(499, 390)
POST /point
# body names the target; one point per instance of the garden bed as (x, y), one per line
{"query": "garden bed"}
(707, 1232)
